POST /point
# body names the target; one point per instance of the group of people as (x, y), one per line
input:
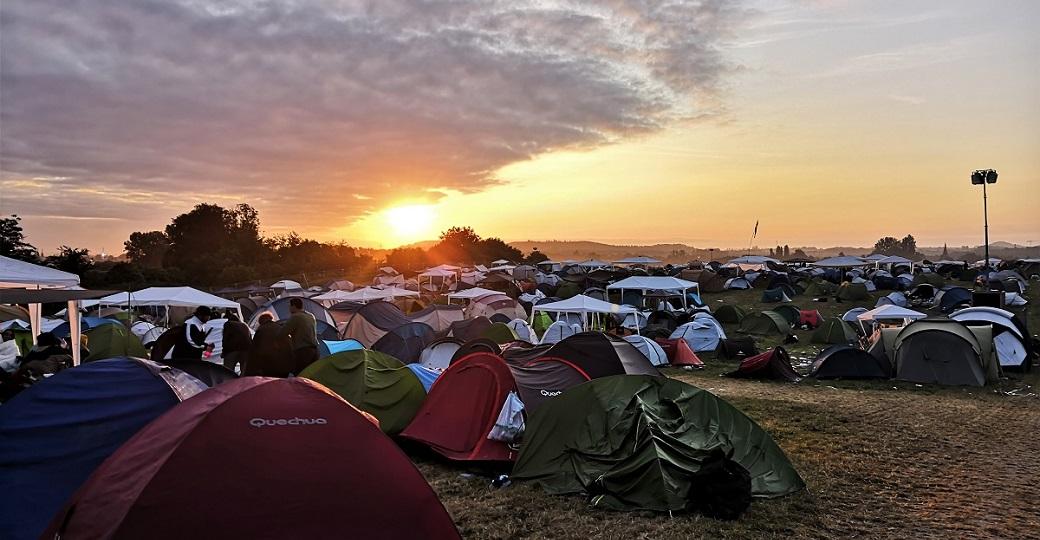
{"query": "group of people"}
(274, 350)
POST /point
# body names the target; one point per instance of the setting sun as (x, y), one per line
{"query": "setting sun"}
(411, 222)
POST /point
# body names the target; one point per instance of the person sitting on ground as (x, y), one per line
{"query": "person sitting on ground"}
(236, 342)
(191, 343)
(301, 329)
(271, 353)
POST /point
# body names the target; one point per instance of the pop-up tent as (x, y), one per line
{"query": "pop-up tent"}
(168, 297)
(942, 351)
(645, 284)
(847, 362)
(15, 274)
(594, 439)
(590, 309)
(55, 433)
(151, 488)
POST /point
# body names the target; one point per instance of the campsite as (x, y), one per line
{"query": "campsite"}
(504, 388)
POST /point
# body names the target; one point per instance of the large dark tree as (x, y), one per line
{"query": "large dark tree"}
(147, 249)
(12, 241)
(457, 245)
(210, 237)
(407, 259)
(888, 245)
(493, 249)
(69, 259)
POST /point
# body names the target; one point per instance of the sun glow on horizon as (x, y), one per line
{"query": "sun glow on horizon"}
(410, 222)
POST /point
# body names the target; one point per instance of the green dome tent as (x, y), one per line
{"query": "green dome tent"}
(374, 382)
(819, 288)
(568, 289)
(111, 341)
(790, 312)
(636, 442)
(853, 291)
(766, 323)
(729, 314)
(542, 320)
(499, 333)
(833, 332)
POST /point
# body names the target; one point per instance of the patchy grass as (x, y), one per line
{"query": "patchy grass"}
(880, 459)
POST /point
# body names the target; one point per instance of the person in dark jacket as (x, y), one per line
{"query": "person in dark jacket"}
(236, 342)
(191, 343)
(271, 352)
(301, 328)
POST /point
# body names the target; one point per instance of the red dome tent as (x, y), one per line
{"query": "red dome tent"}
(306, 464)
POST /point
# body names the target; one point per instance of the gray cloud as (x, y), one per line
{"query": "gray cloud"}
(348, 103)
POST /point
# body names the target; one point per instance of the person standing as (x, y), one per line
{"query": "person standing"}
(236, 343)
(191, 343)
(302, 332)
(271, 352)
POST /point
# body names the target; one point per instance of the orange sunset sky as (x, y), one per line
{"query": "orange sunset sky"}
(382, 123)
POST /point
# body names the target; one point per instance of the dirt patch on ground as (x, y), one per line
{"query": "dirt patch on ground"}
(879, 463)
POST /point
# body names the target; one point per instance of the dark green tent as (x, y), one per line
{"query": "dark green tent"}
(765, 323)
(499, 333)
(775, 295)
(790, 312)
(635, 442)
(568, 289)
(853, 291)
(729, 314)
(833, 332)
(819, 288)
(111, 341)
(374, 382)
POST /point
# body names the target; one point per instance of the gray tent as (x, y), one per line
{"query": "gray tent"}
(942, 351)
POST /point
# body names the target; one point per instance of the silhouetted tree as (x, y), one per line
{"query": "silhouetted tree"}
(69, 259)
(411, 259)
(536, 257)
(12, 241)
(147, 249)
(493, 249)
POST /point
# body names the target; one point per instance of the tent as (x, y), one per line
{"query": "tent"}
(820, 288)
(737, 348)
(890, 312)
(438, 354)
(941, 352)
(853, 291)
(737, 283)
(86, 323)
(491, 305)
(523, 331)
(559, 331)
(834, 331)
(701, 334)
(847, 362)
(594, 353)
(650, 349)
(765, 323)
(852, 315)
(951, 298)
(774, 364)
(645, 284)
(150, 487)
(809, 317)
(56, 432)
(730, 314)
(328, 347)
(111, 341)
(790, 313)
(438, 316)
(499, 333)
(1010, 337)
(372, 321)
(594, 439)
(775, 295)
(373, 382)
(474, 346)
(405, 342)
(461, 409)
(469, 329)
(208, 373)
(279, 310)
(894, 298)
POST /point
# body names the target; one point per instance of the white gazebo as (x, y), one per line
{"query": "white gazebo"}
(471, 294)
(666, 284)
(168, 297)
(589, 308)
(889, 312)
(15, 274)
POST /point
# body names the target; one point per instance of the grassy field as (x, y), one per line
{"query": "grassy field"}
(881, 460)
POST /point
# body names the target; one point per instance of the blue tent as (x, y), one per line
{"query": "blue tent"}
(406, 342)
(55, 433)
(954, 297)
(425, 375)
(327, 347)
(62, 330)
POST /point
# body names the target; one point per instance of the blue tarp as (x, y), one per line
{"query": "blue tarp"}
(425, 375)
(326, 348)
(62, 330)
(55, 433)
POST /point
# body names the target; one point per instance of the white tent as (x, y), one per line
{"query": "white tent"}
(650, 349)
(332, 296)
(170, 297)
(287, 284)
(557, 332)
(840, 262)
(471, 294)
(15, 274)
(753, 259)
(890, 312)
(701, 334)
(587, 307)
(655, 283)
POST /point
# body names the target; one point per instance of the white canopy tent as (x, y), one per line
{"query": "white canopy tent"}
(753, 259)
(287, 284)
(170, 297)
(471, 294)
(443, 272)
(15, 274)
(655, 283)
(587, 307)
(889, 312)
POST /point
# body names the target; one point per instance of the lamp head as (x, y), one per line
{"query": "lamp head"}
(984, 176)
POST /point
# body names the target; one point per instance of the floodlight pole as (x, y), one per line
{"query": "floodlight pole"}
(985, 223)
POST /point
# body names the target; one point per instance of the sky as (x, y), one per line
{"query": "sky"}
(384, 122)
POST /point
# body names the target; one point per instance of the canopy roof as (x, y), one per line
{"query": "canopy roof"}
(874, 257)
(583, 304)
(473, 293)
(656, 283)
(840, 262)
(15, 273)
(169, 296)
(890, 311)
(894, 259)
(437, 272)
(286, 284)
(46, 296)
(753, 259)
(593, 263)
(365, 294)
(638, 260)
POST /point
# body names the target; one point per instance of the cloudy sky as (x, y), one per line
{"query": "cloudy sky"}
(831, 122)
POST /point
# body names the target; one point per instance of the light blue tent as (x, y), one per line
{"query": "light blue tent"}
(326, 348)
(425, 375)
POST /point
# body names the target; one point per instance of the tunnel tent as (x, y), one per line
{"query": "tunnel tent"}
(940, 351)
(374, 382)
(765, 323)
(790, 312)
(773, 364)
(592, 439)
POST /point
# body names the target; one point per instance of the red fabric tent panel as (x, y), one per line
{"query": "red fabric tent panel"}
(257, 458)
(461, 408)
(756, 362)
(684, 355)
(810, 317)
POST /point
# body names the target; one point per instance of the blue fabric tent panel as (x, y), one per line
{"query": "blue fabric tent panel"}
(54, 434)
(332, 347)
(425, 375)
